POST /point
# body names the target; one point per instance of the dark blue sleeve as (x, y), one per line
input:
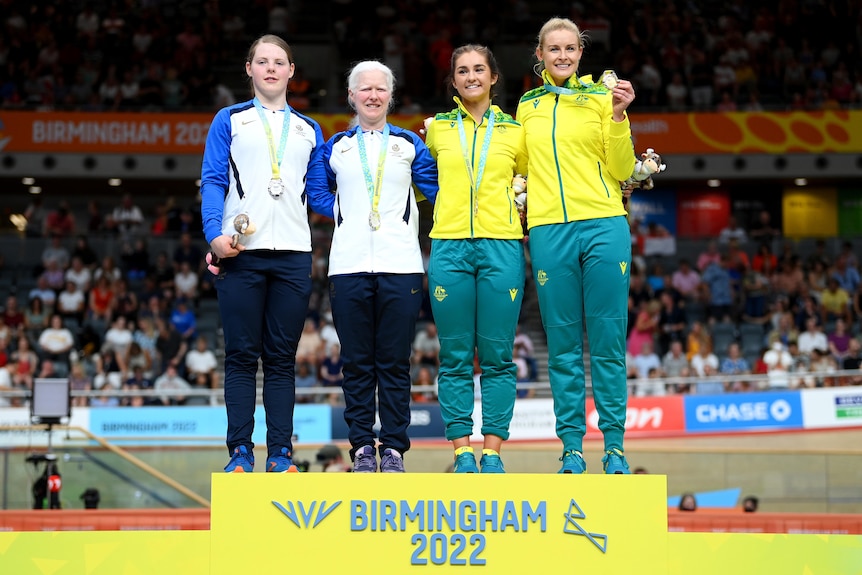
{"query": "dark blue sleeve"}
(424, 170)
(319, 179)
(215, 178)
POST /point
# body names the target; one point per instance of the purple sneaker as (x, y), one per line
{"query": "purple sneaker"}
(364, 460)
(391, 462)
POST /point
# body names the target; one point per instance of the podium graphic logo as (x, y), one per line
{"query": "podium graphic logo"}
(303, 519)
(572, 527)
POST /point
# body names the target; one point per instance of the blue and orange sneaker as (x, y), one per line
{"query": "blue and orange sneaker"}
(491, 462)
(391, 462)
(364, 460)
(614, 463)
(281, 463)
(465, 461)
(242, 461)
(573, 462)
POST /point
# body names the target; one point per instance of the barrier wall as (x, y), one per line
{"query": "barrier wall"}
(836, 407)
(702, 520)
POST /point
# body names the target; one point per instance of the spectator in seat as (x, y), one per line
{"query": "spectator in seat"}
(812, 338)
(732, 231)
(686, 280)
(170, 380)
(735, 364)
(778, 365)
(834, 303)
(55, 343)
(201, 361)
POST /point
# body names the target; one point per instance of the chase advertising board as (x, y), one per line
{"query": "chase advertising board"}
(743, 412)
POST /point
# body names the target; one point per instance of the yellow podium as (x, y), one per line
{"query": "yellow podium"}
(405, 523)
(411, 523)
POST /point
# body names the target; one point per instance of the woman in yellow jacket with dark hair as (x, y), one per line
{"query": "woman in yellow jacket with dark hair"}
(580, 147)
(476, 271)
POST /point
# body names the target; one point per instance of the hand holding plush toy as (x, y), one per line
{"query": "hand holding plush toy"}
(649, 164)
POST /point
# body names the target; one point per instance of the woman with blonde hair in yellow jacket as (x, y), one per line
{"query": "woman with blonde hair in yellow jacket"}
(580, 149)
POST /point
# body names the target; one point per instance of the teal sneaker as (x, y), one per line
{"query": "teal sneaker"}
(281, 463)
(573, 462)
(465, 463)
(242, 461)
(491, 464)
(614, 463)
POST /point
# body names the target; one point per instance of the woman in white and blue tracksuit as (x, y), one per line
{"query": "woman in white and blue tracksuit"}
(255, 162)
(375, 265)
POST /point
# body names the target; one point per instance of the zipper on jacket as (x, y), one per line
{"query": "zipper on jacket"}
(511, 202)
(474, 192)
(557, 159)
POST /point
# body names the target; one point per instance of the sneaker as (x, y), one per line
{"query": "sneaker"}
(614, 463)
(241, 461)
(491, 464)
(391, 462)
(573, 462)
(364, 460)
(281, 463)
(465, 463)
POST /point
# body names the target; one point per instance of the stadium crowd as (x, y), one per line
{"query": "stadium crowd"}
(131, 320)
(167, 55)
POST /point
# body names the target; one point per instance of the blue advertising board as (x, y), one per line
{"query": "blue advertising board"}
(198, 425)
(425, 423)
(655, 206)
(743, 412)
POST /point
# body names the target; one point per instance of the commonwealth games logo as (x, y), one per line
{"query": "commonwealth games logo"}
(306, 518)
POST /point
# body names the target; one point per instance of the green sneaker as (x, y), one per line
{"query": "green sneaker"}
(573, 462)
(614, 463)
(465, 463)
(491, 464)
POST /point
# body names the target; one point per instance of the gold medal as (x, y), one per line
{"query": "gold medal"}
(610, 79)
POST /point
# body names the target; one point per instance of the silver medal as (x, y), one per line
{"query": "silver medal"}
(374, 220)
(276, 187)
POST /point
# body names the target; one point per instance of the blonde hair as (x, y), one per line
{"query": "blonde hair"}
(553, 25)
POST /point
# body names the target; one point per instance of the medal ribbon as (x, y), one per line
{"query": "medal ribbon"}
(559, 90)
(275, 157)
(372, 186)
(483, 156)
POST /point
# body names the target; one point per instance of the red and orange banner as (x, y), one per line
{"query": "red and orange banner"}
(728, 133)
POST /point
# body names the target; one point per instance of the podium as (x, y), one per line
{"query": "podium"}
(415, 522)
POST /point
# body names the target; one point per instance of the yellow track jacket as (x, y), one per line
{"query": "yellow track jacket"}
(578, 154)
(461, 212)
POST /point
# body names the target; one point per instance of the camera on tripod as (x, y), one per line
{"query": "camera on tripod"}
(50, 404)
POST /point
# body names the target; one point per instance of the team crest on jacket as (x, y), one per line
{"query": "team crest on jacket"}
(396, 150)
(581, 100)
(542, 277)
